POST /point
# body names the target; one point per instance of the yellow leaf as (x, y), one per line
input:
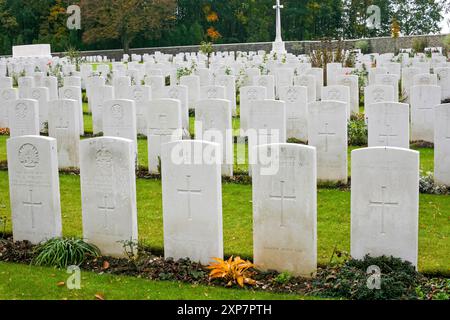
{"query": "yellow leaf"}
(99, 296)
(61, 284)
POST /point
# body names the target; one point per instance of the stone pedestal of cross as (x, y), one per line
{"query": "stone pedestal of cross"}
(32, 204)
(326, 133)
(383, 204)
(189, 192)
(278, 46)
(384, 137)
(105, 209)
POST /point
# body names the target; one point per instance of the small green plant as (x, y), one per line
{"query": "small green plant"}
(283, 278)
(446, 43)
(63, 252)
(419, 45)
(363, 45)
(74, 57)
(206, 48)
(357, 131)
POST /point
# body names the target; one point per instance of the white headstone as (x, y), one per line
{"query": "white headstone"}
(442, 144)
(163, 126)
(192, 201)
(34, 188)
(378, 93)
(179, 92)
(98, 97)
(337, 93)
(389, 80)
(285, 211)
(142, 95)
(63, 126)
(308, 81)
(388, 124)
(296, 99)
(193, 84)
(108, 190)
(266, 124)
(385, 203)
(229, 82)
(214, 123)
(122, 87)
(327, 131)
(212, 92)
(425, 79)
(423, 100)
(23, 118)
(267, 81)
(7, 95)
(74, 93)
(352, 82)
(157, 84)
(248, 95)
(119, 120)
(443, 76)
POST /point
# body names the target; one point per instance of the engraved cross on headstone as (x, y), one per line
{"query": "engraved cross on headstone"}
(164, 128)
(105, 208)
(32, 204)
(384, 137)
(286, 190)
(326, 133)
(189, 191)
(383, 204)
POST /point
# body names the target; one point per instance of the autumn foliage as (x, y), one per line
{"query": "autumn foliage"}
(232, 271)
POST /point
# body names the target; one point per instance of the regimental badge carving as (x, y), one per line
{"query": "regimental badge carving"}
(68, 94)
(173, 93)
(291, 95)
(212, 93)
(21, 110)
(103, 158)
(252, 94)
(378, 95)
(36, 94)
(28, 156)
(117, 112)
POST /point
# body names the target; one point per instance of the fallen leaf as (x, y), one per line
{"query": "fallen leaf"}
(61, 284)
(99, 296)
(105, 265)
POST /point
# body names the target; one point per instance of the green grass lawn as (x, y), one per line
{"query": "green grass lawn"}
(333, 220)
(22, 282)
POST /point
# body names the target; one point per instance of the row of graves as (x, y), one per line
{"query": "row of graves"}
(275, 99)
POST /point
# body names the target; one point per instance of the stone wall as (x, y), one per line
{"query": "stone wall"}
(380, 45)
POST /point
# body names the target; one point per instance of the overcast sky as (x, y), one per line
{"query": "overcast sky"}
(445, 27)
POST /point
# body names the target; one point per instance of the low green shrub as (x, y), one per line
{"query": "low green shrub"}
(399, 280)
(363, 45)
(357, 131)
(63, 252)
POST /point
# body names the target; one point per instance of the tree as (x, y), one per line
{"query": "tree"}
(417, 16)
(125, 19)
